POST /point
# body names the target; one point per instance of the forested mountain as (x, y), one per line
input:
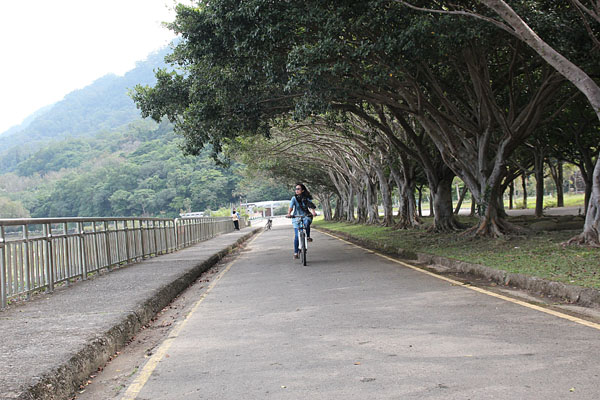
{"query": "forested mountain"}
(92, 155)
(26, 122)
(102, 106)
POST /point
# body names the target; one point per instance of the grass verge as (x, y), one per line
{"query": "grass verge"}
(537, 254)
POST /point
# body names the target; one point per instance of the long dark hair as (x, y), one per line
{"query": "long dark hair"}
(305, 193)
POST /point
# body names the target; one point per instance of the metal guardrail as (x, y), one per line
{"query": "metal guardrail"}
(38, 253)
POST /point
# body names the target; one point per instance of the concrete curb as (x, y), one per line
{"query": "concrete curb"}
(64, 381)
(586, 297)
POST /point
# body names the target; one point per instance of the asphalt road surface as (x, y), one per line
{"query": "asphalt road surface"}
(355, 325)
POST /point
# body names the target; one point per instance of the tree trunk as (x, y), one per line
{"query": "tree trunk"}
(371, 204)
(560, 193)
(350, 217)
(556, 171)
(491, 224)
(511, 194)
(442, 207)
(490, 206)
(325, 200)
(361, 208)
(420, 189)
(524, 185)
(591, 228)
(386, 197)
(501, 210)
(431, 209)
(587, 177)
(492, 217)
(460, 200)
(407, 211)
(339, 209)
(440, 188)
(342, 188)
(444, 219)
(539, 183)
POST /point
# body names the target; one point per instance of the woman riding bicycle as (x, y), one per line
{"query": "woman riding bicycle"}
(303, 207)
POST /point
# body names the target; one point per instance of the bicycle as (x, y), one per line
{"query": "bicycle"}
(302, 239)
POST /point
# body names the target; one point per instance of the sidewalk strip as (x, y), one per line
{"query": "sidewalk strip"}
(477, 289)
(138, 384)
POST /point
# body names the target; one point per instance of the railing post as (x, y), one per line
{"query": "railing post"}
(137, 234)
(168, 240)
(117, 242)
(82, 255)
(155, 230)
(184, 230)
(181, 232)
(97, 247)
(26, 261)
(164, 247)
(67, 256)
(107, 240)
(49, 262)
(142, 238)
(176, 233)
(186, 233)
(127, 248)
(163, 237)
(3, 280)
(167, 225)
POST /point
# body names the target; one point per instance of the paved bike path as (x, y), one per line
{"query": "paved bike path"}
(52, 343)
(353, 325)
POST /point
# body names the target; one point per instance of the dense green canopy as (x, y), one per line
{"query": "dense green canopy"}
(445, 94)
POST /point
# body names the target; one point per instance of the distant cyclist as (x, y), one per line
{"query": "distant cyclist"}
(302, 205)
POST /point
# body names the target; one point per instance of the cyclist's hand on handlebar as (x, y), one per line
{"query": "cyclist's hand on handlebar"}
(289, 216)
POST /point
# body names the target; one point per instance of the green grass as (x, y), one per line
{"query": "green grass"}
(571, 200)
(538, 254)
(574, 200)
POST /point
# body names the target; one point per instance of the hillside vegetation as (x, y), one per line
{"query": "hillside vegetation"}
(102, 106)
(91, 154)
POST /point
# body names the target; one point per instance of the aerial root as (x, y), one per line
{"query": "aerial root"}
(494, 228)
(589, 238)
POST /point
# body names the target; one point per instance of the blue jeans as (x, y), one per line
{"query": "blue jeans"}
(307, 222)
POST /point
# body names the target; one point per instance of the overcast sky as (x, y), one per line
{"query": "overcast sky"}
(52, 47)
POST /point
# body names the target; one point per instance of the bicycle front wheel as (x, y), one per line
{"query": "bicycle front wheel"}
(304, 256)
(302, 243)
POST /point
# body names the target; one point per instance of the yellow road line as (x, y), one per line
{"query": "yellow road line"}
(137, 385)
(477, 289)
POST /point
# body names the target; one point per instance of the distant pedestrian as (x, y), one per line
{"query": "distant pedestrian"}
(236, 220)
